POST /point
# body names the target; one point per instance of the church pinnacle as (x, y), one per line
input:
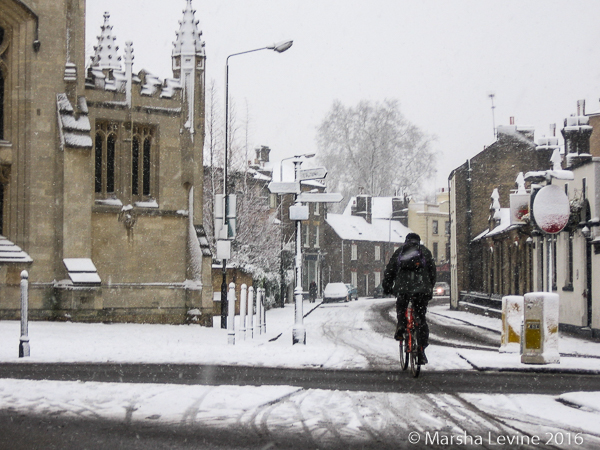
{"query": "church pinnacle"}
(189, 37)
(105, 53)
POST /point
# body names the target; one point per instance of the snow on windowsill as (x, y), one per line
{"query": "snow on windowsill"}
(147, 204)
(109, 202)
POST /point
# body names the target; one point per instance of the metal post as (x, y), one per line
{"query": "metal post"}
(282, 286)
(224, 296)
(243, 296)
(224, 299)
(279, 48)
(250, 324)
(299, 332)
(24, 349)
(550, 268)
(231, 315)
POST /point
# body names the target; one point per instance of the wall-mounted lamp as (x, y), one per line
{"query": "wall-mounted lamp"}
(585, 231)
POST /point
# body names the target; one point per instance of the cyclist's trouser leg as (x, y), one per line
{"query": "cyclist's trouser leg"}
(401, 305)
(420, 302)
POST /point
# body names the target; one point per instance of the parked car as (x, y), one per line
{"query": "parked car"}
(378, 292)
(335, 292)
(352, 292)
(441, 289)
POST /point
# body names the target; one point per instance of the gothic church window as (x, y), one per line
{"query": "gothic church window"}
(141, 162)
(135, 165)
(105, 157)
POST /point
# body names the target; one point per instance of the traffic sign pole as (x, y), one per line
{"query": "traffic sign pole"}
(298, 332)
(298, 214)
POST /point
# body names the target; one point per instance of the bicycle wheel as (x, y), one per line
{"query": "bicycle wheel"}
(415, 367)
(404, 352)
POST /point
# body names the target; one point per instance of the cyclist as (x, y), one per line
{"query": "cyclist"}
(410, 275)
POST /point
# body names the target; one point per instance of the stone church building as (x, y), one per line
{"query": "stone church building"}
(101, 172)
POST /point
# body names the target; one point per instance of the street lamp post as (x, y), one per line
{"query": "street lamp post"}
(281, 268)
(279, 48)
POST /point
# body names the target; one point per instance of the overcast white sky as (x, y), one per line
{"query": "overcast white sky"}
(439, 58)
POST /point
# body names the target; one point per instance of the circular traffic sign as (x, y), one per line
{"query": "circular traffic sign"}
(551, 209)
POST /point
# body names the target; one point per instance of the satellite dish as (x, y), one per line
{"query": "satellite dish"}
(551, 209)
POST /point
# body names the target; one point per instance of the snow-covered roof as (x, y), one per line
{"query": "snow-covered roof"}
(74, 129)
(546, 174)
(12, 253)
(356, 228)
(81, 271)
(257, 175)
(504, 225)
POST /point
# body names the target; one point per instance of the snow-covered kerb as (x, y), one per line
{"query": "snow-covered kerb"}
(540, 331)
(512, 318)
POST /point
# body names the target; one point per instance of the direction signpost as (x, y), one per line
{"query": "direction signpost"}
(320, 197)
(297, 213)
(284, 188)
(315, 173)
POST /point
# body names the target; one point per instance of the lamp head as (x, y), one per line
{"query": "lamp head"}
(281, 47)
(585, 231)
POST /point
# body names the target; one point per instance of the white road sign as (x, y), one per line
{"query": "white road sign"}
(320, 197)
(284, 187)
(551, 209)
(315, 173)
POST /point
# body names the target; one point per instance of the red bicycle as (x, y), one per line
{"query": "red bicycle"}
(409, 345)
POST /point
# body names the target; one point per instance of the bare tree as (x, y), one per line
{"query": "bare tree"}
(372, 146)
(257, 245)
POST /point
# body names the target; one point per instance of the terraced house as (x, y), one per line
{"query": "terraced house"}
(101, 171)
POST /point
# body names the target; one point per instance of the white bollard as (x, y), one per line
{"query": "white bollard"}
(540, 328)
(231, 314)
(259, 311)
(24, 349)
(264, 311)
(250, 322)
(512, 318)
(243, 295)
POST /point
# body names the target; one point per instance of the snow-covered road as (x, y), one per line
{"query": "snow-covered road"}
(339, 336)
(317, 418)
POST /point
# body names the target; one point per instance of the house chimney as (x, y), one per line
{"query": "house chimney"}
(553, 129)
(512, 120)
(262, 155)
(400, 210)
(363, 207)
(581, 107)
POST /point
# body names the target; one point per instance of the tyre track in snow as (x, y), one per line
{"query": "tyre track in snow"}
(527, 425)
(443, 331)
(344, 334)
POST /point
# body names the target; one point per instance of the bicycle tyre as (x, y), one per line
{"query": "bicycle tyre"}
(404, 353)
(415, 367)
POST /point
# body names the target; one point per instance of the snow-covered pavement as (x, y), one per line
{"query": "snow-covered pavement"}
(338, 336)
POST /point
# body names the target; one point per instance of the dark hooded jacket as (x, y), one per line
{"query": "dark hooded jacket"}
(410, 281)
